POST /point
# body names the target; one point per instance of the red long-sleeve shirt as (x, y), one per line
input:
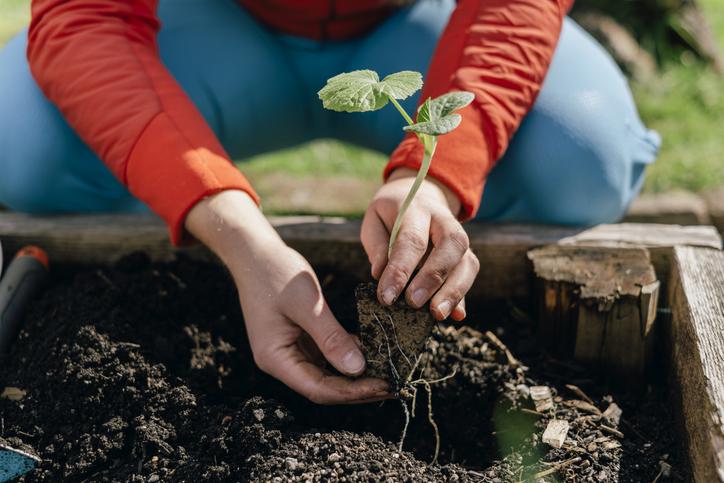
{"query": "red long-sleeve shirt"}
(98, 62)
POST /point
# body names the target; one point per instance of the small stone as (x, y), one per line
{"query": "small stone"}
(153, 478)
(334, 457)
(291, 463)
(279, 413)
(13, 393)
(259, 414)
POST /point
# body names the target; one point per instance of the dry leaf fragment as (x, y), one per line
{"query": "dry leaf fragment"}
(613, 413)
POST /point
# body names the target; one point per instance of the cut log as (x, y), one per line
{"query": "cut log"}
(598, 305)
(697, 355)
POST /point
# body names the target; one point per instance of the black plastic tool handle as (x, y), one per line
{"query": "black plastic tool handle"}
(23, 279)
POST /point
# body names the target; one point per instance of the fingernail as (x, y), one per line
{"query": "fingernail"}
(419, 297)
(388, 296)
(353, 362)
(444, 308)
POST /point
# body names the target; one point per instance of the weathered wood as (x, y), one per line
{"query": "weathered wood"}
(697, 355)
(598, 304)
(715, 204)
(677, 207)
(501, 249)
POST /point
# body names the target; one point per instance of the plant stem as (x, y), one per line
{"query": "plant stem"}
(402, 111)
(421, 173)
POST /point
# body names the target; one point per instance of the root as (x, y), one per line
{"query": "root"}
(407, 424)
(431, 419)
(407, 387)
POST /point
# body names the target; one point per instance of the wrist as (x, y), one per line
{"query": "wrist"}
(453, 202)
(231, 225)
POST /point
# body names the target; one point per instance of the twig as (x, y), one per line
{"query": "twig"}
(579, 392)
(557, 467)
(500, 345)
(661, 472)
(612, 431)
(530, 411)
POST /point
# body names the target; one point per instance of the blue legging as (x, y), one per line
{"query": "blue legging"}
(577, 158)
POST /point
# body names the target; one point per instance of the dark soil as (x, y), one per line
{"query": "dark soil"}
(143, 373)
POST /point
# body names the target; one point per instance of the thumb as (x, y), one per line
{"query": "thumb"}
(337, 346)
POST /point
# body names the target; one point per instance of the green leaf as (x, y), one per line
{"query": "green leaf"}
(436, 127)
(362, 90)
(434, 117)
(452, 101)
(402, 85)
(357, 91)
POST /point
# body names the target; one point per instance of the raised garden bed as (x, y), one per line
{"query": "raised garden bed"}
(136, 366)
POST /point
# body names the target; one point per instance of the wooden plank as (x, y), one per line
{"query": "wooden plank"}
(697, 352)
(505, 272)
(598, 305)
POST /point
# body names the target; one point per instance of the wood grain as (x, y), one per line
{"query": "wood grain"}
(697, 342)
(598, 306)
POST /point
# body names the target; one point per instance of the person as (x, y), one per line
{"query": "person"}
(125, 106)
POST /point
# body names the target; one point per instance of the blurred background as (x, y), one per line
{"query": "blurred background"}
(670, 49)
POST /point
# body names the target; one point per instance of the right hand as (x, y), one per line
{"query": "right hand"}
(290, 326)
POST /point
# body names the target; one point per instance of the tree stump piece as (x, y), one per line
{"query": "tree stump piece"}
(598, 305)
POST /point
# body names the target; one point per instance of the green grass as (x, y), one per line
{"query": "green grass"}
(685, 104)
(14, 14)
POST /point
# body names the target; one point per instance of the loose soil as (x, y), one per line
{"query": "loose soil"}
(143, 373)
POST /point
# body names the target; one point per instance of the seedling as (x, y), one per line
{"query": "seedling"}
(363, 91)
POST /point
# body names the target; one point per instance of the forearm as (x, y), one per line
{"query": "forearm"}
(232, 226)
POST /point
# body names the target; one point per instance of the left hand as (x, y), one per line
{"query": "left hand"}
(446, 273)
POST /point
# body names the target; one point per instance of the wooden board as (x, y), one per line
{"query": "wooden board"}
(696, 292)
(598, 306)
(501, 248)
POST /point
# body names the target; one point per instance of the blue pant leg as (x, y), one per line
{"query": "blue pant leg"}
(579, 156)
(44, 166)
(234, 71)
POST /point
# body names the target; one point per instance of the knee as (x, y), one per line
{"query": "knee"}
(582, 171)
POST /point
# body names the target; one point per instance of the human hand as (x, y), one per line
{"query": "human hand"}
(290, 326)
(446, 273)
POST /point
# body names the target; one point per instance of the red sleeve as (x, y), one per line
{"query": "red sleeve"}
(499, 50)
(98, 62)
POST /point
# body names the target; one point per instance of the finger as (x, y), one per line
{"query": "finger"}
(322, 388)
(337, 346)
(375, 240)
(407, 251)
(450, 243)
(459, 313)
(455, 287)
